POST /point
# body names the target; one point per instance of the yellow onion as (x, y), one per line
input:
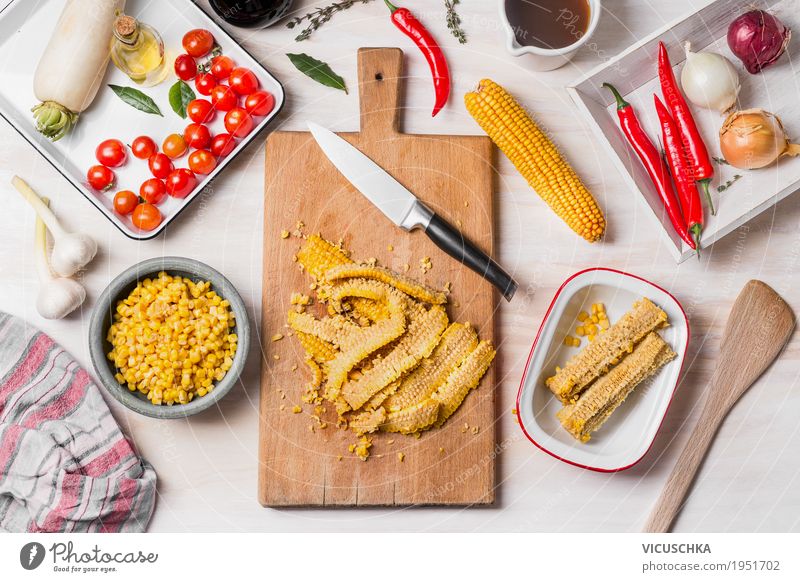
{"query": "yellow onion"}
(753, 139)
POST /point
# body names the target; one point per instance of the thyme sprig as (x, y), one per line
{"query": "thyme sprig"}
(320, 16)
(454, 20)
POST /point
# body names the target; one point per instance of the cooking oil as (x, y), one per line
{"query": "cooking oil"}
(138, 51)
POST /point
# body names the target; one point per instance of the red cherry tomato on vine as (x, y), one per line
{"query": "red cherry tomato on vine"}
(221, 67)
(243, 81)
(125, 201)
(143, 147)
(111, 153)
(200, 110)
(222, 145)
(146, 216)
(160, 165)
(259, 103)
(174, 146)
(180, 183)
(100, 177)
(202, 162)
(198, 42)
(238, 122)
(223, 98)
(204, 83)
(197, 136)
(185, 67)
(153, 190)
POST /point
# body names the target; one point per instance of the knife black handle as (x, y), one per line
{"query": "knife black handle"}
(451, 241)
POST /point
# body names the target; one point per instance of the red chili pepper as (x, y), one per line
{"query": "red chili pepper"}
(693, 146)
(681, 172)
(652, 162)
(416, 31)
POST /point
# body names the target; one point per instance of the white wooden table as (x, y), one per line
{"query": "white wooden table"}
(207, 465)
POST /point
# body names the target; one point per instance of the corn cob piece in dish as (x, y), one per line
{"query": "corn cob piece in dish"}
(597, 357)
(604, 396)
(536, 158)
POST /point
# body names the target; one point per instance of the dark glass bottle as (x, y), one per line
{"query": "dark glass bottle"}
(251, 13)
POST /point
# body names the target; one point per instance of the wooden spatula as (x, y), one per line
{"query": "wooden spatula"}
(758, 327)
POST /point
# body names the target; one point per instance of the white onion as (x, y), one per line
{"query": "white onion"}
(709, 80)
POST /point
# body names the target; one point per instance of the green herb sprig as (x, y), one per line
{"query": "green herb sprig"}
(728, 184)
(454, 21)
(320, 16)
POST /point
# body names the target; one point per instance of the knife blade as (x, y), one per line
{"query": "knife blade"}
(406, 210)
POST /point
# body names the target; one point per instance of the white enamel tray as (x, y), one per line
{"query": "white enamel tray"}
(634, 73)
(24, 27)
(627, 436)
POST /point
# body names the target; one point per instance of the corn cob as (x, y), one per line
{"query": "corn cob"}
(420, 340)
(319, 350)
(462, 380)
(404, 284)
(373, 338)
(596, 358)
(457, 342)
(333, 330)
(536, 158)
(412, 419)
(604, 396)
(318, 255)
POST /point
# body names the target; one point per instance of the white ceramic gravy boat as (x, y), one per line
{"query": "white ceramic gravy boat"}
(541, 59)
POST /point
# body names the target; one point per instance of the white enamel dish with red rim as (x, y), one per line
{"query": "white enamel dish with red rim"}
(628, 434)
(25, 27)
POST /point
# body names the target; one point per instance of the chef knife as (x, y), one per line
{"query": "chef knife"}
(406, 210)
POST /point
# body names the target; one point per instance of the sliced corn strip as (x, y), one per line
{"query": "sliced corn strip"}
(404, 284)
(463, 379)
(413, 419)
(318, 255)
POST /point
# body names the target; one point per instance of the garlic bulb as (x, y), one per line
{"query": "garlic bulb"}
(709, 80)
(71, 251)
(58, 296)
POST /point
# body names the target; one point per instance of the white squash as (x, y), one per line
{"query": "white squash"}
(72, 67)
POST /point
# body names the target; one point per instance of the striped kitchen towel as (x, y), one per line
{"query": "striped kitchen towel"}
(65, 466)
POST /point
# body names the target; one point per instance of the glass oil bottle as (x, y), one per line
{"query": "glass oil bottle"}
(138, 51)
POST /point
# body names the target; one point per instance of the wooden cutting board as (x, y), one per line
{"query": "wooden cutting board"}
(454, 465)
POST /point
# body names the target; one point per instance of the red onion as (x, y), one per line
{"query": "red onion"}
(758, 39)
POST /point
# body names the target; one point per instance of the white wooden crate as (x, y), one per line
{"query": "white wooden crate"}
(634, 72)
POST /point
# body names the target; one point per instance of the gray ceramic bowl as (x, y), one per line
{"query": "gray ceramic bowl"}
(119, 288)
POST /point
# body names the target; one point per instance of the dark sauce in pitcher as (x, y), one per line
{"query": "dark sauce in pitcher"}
(251, 13)
(548, 24)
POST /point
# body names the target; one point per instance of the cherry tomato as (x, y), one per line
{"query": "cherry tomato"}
(223, 98)
(238, 122)
(174, 146)
(143, 147)
(185, 67)
(222, 66)
(222, 145)
(100, 178)
(111, 153)
(146, 216)
(202, 162)
(197, 136)
(153, 190)
(200, 110)
(180, 183)
(125, 201)
(243, 81)
(259, 103)
(160, 165)
(198, 42)
(204, 83)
